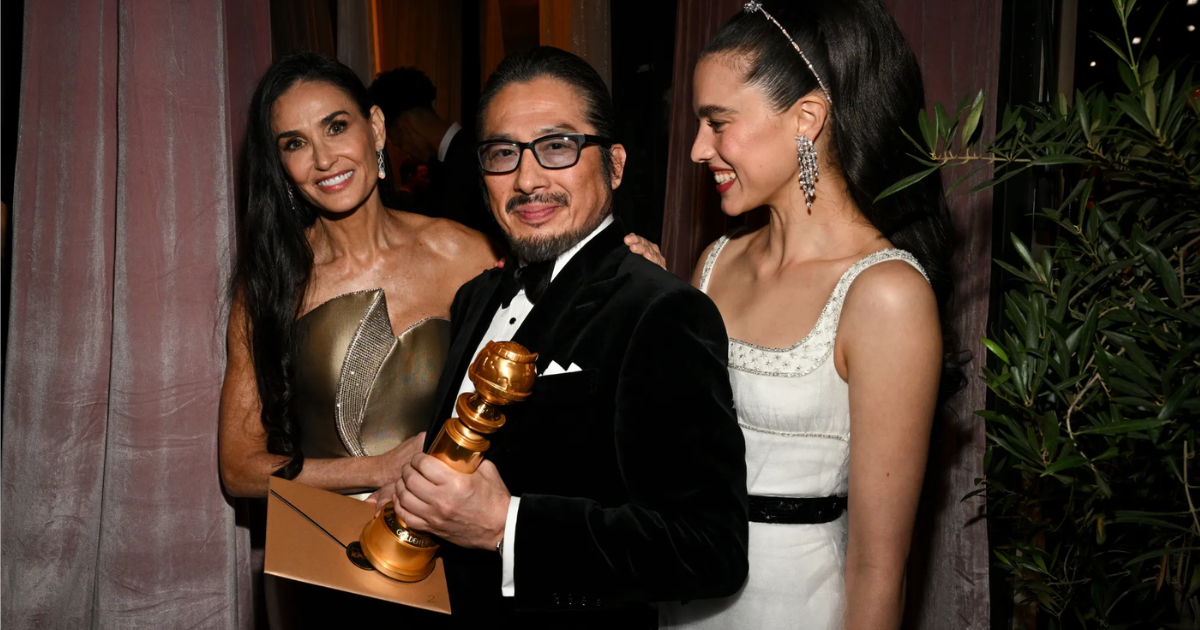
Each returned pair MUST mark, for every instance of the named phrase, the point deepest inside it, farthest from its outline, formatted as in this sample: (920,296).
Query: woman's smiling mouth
(336,182)
(724,180)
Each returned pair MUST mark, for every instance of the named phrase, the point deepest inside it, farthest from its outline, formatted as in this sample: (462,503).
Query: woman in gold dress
(338,327)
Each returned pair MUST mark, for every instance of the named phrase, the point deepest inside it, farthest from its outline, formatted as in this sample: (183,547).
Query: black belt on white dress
(796,510)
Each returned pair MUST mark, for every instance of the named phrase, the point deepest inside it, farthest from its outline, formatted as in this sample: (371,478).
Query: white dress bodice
(793,406)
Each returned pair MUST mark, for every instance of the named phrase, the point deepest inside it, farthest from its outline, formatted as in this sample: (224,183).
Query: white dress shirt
(447,139)
(504,325)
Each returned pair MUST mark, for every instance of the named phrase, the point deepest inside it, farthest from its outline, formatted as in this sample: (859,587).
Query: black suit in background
(456,187)
(631,472)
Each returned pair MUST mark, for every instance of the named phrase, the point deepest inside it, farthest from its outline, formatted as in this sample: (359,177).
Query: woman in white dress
(835,310)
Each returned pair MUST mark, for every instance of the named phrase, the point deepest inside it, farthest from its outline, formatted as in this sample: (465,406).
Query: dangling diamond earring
(382,171)
(292,199)
(807,156)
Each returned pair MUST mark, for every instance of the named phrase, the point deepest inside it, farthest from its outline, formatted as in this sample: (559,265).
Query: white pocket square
(555,368)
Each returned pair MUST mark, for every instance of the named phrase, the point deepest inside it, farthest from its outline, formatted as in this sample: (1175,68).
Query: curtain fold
(355,38)
(958,45)
(300,25)
(60,324)
(426,34)
(692,218)
(114,514)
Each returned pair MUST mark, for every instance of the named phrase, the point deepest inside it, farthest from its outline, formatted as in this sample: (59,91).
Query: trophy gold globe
(503,373)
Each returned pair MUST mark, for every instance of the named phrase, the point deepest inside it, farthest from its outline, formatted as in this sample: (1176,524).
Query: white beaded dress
(794,410)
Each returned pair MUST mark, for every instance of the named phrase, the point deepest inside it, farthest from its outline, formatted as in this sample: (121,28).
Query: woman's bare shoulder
(734,246)
(890,291)
(455,243)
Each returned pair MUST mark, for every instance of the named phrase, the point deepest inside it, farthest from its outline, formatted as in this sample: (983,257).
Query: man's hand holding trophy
(503,373)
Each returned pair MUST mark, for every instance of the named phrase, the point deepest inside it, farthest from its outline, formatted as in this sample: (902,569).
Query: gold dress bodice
(360,389)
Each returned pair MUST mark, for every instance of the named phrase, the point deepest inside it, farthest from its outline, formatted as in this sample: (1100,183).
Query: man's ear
(618,164)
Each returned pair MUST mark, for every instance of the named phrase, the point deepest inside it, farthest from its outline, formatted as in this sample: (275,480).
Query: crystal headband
(751,7)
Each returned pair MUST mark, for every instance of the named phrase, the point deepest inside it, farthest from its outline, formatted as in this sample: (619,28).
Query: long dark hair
(274,260)
(860,53)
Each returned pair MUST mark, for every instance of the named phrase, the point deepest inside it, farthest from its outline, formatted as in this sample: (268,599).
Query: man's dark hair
(545,61)
(402,89)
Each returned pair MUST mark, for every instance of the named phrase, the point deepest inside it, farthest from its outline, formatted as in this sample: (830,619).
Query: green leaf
(972,121)
(1150,32)
(1158,553)
(1125,69)
(1119,428)
(1149,71)
(1016,272)
(927,132)
(1135,112)
(942,122)
(958,181)
(1011,173)
(1150,105)
(907,181)
(1023,252)
(1085,121)
(1177,398)
(996,350)
(1065,463)
(1147,518)
(1050,160)
(1134,352)
(1114,47)
(1166,94)
(1166,274)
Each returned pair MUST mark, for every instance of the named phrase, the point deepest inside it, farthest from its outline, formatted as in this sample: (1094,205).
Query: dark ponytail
(861,55)
(274,260)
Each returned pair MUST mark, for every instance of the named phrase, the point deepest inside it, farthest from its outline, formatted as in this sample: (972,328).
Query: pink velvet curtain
(114,515)
(958,44)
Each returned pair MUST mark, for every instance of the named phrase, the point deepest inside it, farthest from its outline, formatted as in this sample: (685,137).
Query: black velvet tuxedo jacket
(631,472)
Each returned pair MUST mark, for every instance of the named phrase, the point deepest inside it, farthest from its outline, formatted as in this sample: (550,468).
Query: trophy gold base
(397,551)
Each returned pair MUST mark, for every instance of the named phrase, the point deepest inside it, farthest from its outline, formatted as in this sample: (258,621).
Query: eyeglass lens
(552,152)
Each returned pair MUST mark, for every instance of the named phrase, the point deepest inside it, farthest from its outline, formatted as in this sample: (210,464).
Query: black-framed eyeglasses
(560,150)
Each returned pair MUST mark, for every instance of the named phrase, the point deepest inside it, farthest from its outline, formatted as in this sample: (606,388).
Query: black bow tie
(534,278)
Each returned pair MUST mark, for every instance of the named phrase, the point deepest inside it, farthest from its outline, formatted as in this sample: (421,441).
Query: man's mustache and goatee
(536,249)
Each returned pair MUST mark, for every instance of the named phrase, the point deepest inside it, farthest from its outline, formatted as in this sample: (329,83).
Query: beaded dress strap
(710,261)
(814,349)
(833,310)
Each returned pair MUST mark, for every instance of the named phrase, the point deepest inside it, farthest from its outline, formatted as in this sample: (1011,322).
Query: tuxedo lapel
(475,323)
(573,296)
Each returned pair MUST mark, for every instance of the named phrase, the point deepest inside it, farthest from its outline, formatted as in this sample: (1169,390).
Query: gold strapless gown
(359,389)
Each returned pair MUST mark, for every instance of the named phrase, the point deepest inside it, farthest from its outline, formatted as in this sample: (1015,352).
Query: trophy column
(503,373)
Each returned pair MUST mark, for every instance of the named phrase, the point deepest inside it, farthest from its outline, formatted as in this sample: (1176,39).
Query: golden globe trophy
(503,373)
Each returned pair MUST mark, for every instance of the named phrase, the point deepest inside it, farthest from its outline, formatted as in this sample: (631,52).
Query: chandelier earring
(806,154)
(382,170)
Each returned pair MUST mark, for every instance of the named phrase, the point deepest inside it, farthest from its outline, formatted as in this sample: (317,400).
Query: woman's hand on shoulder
(643,247)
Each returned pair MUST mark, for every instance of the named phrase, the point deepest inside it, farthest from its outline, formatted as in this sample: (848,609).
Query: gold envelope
(297,549)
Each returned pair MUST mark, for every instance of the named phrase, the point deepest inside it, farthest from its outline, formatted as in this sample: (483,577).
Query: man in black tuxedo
(406,96)
(621,480)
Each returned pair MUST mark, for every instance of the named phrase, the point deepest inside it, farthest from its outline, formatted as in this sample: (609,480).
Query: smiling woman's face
(749,148)
(326,145)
